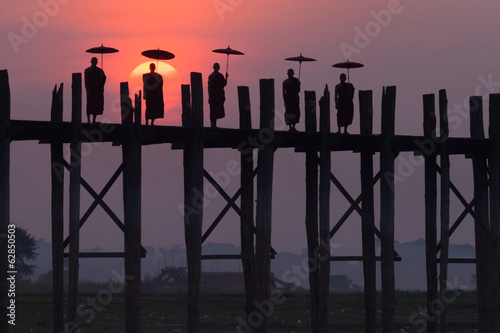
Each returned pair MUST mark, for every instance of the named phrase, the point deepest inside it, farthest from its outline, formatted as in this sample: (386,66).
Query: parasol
(300,58)
(228,51)
(158,55)
(102,49)
(348,64)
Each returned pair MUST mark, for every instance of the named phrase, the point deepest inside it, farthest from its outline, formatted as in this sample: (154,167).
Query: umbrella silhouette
(158,55)
(348,64)
(102,49)
(228,51)
(300,58)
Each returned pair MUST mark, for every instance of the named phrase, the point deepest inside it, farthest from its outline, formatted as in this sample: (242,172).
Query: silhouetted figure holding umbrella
(344,94)
(153,94)
(216,95)
(94,85)
(291,89)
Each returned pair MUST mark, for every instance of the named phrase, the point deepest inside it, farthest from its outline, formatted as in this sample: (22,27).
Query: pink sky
(419,46)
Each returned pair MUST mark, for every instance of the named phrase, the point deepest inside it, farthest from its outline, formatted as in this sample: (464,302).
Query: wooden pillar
(387,155)
(445,206)
(4,194)
(74,199)
(494,173)
(312,228)
(193,198)
(368,237)
(131,154)
(57,176)
(481,226)
(264,202)
(324,211)
(430,208)
(247,203)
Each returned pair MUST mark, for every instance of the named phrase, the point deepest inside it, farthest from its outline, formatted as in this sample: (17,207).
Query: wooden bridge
(256,249)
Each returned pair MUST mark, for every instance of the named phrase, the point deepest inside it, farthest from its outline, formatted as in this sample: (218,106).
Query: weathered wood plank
(494,174)
(4,194)
(445,207)
(368,237)
(484,278)
(57,178)
(74,198)
(247,204)
(430,212)
(131,154)
(324,212)
(387,189)
(264,200)
(193,199)
(312,227)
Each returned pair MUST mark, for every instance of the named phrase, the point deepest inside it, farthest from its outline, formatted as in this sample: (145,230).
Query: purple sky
(419,46)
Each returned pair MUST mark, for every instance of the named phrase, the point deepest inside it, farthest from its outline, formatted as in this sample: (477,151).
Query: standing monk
(344,93)
(153,94)
(291,89)
(216,95)
(94,85)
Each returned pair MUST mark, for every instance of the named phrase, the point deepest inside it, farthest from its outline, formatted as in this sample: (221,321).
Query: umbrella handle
(227,64)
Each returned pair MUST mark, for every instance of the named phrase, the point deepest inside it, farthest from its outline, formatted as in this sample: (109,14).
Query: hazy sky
(419,46)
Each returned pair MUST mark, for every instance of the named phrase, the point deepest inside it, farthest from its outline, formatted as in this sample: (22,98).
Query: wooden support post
(4,195)
(57,176)
(247,204)
(368,237)
(186,104)
(494,173)
(131,154)
(387,155)
(312,227)
(445,206)
(193,199)
(74,199)
(484,278)
(264,201)
(430,209)
(324,211)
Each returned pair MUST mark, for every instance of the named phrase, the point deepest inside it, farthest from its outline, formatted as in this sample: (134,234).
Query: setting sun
(171,89)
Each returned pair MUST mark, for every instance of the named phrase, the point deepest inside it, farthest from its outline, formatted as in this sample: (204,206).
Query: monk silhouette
(344,93)
(291,89)
(153,94)
(94,85)
(216,95)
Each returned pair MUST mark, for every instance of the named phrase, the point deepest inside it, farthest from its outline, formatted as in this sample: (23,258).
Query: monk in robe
(216,95)
(344,94)
(291,90)
(94,85)
(153,94)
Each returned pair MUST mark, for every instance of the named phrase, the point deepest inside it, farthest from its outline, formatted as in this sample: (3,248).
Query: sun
(171,90)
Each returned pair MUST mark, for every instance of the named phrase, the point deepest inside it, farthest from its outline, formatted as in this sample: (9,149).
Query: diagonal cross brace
(355,206)
(468,210)
(230,204)
(98,200)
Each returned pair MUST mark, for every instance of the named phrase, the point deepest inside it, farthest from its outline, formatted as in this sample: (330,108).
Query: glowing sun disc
(171,89)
